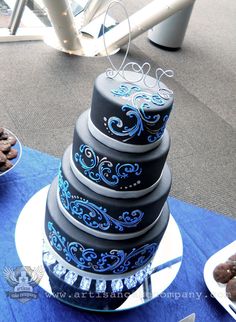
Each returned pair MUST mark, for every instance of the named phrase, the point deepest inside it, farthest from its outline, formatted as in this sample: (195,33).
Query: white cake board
(29,243)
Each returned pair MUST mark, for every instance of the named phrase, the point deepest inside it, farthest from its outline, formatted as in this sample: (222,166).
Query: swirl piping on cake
(111,192)
(119,145)
(143,122)
(92,215)
(125,91)
(102,169)
(65,193)
(136,94)
(73,276)
(114,261)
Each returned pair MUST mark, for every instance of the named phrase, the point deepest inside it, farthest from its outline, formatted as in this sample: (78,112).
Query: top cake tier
(128,116)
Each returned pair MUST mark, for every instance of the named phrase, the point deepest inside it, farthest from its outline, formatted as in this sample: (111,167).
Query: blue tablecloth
(203,232)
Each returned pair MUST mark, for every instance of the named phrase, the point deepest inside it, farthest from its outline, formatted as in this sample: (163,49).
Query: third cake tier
(105,217)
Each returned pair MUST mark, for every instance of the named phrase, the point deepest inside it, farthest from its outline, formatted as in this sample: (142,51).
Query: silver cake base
(29,243)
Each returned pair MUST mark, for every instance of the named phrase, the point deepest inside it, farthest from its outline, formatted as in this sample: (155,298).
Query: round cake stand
(29,245)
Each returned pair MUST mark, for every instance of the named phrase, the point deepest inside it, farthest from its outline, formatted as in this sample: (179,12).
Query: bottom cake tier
(78,262)
(93,255)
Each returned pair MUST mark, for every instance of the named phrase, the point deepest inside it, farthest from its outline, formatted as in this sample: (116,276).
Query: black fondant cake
(107,210)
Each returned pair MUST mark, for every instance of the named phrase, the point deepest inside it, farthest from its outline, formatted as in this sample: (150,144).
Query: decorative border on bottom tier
(120,146)
(47,247)
(71,277)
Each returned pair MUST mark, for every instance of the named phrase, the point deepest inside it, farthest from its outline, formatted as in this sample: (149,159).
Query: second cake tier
(112,173)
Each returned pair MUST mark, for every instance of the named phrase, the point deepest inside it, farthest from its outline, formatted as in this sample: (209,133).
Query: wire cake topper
(143,70)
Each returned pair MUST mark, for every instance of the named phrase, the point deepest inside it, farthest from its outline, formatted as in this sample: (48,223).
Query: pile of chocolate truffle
(7,153)
(226,273)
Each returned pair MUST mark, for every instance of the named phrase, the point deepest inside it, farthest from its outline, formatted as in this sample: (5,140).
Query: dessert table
(204,233)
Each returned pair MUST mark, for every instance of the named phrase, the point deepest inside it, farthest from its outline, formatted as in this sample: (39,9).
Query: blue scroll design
(115,261)
(102,169)
(142,121)
(65,194)
(116,126)
(125,90)
(147,100)
(92,215)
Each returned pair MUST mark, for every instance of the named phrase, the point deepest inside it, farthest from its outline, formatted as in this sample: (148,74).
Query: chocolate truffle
(6,166)
(11,139)
(4,136)
(232,262)
(222,273)
(5,146)
(3,158)
(233,258)
(12,154)
(231,289)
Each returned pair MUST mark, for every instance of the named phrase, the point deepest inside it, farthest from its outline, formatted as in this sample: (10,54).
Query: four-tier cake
(107,210)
